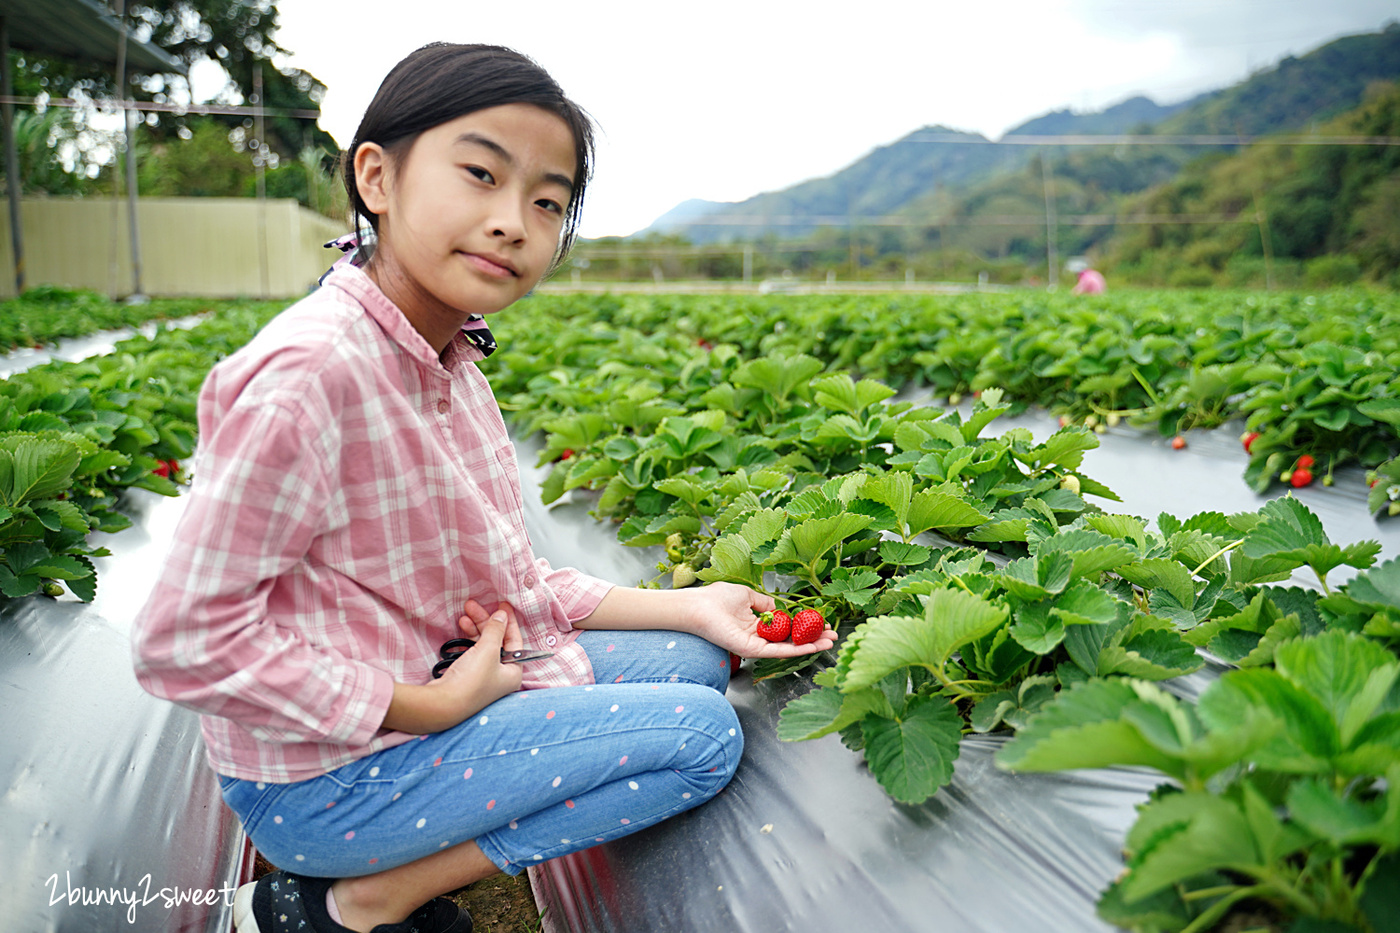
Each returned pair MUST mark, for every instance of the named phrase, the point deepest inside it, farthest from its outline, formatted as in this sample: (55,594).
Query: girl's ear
(371,177)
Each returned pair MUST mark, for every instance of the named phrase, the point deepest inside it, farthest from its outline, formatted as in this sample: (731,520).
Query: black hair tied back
(441,82)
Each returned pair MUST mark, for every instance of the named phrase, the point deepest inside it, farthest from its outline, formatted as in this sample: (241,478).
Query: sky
(726,99)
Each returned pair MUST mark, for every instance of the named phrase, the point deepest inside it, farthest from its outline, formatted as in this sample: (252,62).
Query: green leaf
(937,509)
(1162,572)
(1346,821)
(1064,448)
(60,567)
(1151,655)
(825,710)
(1013,707)
(813,538)
(1082,727)
(1093,553)
(731,559)
(1086,604)
(1007,525)
(1036,629)
(913,756)
(1309,741)
(895,489)
(1291,532)
(841,393)
(778,376)
(1182,835)
(1348,674)
(952,618)
(1036,577)
(1382,409)
(1125,527)
(35,468)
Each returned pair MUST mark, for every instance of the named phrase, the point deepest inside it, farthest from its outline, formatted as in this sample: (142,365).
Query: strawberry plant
(73,436)
(1312,375)
(1285,787)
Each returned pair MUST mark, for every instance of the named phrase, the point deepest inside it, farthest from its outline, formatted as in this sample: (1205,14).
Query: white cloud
(726,99)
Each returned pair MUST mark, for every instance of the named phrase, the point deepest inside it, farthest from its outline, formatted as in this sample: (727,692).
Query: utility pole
(1266,241)
(129,115)
(1051,222)
(259,157)
(11,158)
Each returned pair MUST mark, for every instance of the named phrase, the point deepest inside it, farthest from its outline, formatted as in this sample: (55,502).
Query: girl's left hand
(725,614)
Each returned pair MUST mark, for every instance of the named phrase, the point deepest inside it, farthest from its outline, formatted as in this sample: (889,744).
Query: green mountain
(956,191)
(931,159)
(1305,214)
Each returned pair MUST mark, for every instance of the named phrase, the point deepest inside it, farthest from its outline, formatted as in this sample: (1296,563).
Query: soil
(499,904)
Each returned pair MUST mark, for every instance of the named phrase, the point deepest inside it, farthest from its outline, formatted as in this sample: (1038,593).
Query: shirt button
(530,582)
(443,405)
(551,641)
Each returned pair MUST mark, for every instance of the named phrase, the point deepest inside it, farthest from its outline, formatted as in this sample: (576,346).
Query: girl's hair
(441,82)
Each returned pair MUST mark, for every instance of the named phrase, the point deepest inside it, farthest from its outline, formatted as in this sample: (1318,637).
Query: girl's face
(470,217)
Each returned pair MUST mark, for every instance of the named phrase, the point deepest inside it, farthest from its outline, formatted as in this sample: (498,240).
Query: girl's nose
(508,221)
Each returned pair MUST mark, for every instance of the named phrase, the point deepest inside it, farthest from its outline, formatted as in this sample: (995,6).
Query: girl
(355,486)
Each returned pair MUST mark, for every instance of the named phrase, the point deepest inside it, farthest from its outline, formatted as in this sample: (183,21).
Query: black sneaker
(281,902)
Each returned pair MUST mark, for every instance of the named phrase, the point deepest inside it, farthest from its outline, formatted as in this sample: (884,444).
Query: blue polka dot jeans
(533,776)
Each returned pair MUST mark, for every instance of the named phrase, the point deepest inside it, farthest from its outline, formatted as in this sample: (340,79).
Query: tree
(237,34)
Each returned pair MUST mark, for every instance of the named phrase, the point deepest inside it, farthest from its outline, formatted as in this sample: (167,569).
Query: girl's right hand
(479,671)
(473,682)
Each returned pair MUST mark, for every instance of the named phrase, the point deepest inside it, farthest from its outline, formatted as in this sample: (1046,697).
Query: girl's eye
(480,173)
(553,207)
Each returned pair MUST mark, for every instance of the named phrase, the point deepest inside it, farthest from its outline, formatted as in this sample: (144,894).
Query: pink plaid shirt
(351,492)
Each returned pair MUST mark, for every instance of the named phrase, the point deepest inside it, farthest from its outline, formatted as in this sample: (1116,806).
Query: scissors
(454,648)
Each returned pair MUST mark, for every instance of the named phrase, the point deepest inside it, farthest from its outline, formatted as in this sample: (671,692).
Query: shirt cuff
(360,716)
(577,592)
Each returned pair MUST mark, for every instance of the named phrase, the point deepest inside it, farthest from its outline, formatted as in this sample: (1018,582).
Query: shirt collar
(464,346)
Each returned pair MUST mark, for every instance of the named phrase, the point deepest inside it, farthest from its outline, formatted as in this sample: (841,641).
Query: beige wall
(208,247)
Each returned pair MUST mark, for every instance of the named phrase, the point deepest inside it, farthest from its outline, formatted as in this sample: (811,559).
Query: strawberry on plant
(1070,482)
(1249,438)
(567,454)
(1301,477)
(807,627)
(1178,442)
(774,626)
(1306,461)
(682,576)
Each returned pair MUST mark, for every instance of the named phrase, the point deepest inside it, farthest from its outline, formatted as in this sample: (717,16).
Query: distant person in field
(1090,283)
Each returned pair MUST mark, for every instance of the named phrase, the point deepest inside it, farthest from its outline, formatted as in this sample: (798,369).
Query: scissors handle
(454,648)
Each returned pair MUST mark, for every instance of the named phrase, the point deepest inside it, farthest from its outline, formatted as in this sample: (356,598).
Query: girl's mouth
(493,266)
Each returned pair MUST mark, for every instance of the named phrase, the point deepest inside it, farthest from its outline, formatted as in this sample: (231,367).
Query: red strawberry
(1306,462)
(774,626)
(567,454)
(1178,442)
(1249,440)
(734,662)
(807,627)
(1301,477)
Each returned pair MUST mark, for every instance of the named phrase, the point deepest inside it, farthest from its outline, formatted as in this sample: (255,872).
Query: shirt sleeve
(216,634)
(576,591)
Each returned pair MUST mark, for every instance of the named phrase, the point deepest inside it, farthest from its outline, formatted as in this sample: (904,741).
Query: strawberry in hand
(807,626)
(774,626)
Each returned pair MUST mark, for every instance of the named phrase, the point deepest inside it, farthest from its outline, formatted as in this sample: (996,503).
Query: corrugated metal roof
(82,30)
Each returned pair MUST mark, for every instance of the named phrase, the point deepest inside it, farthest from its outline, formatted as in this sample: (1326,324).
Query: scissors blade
(520,657)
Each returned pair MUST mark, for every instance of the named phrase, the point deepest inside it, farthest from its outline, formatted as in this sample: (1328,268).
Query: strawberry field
(982,580)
